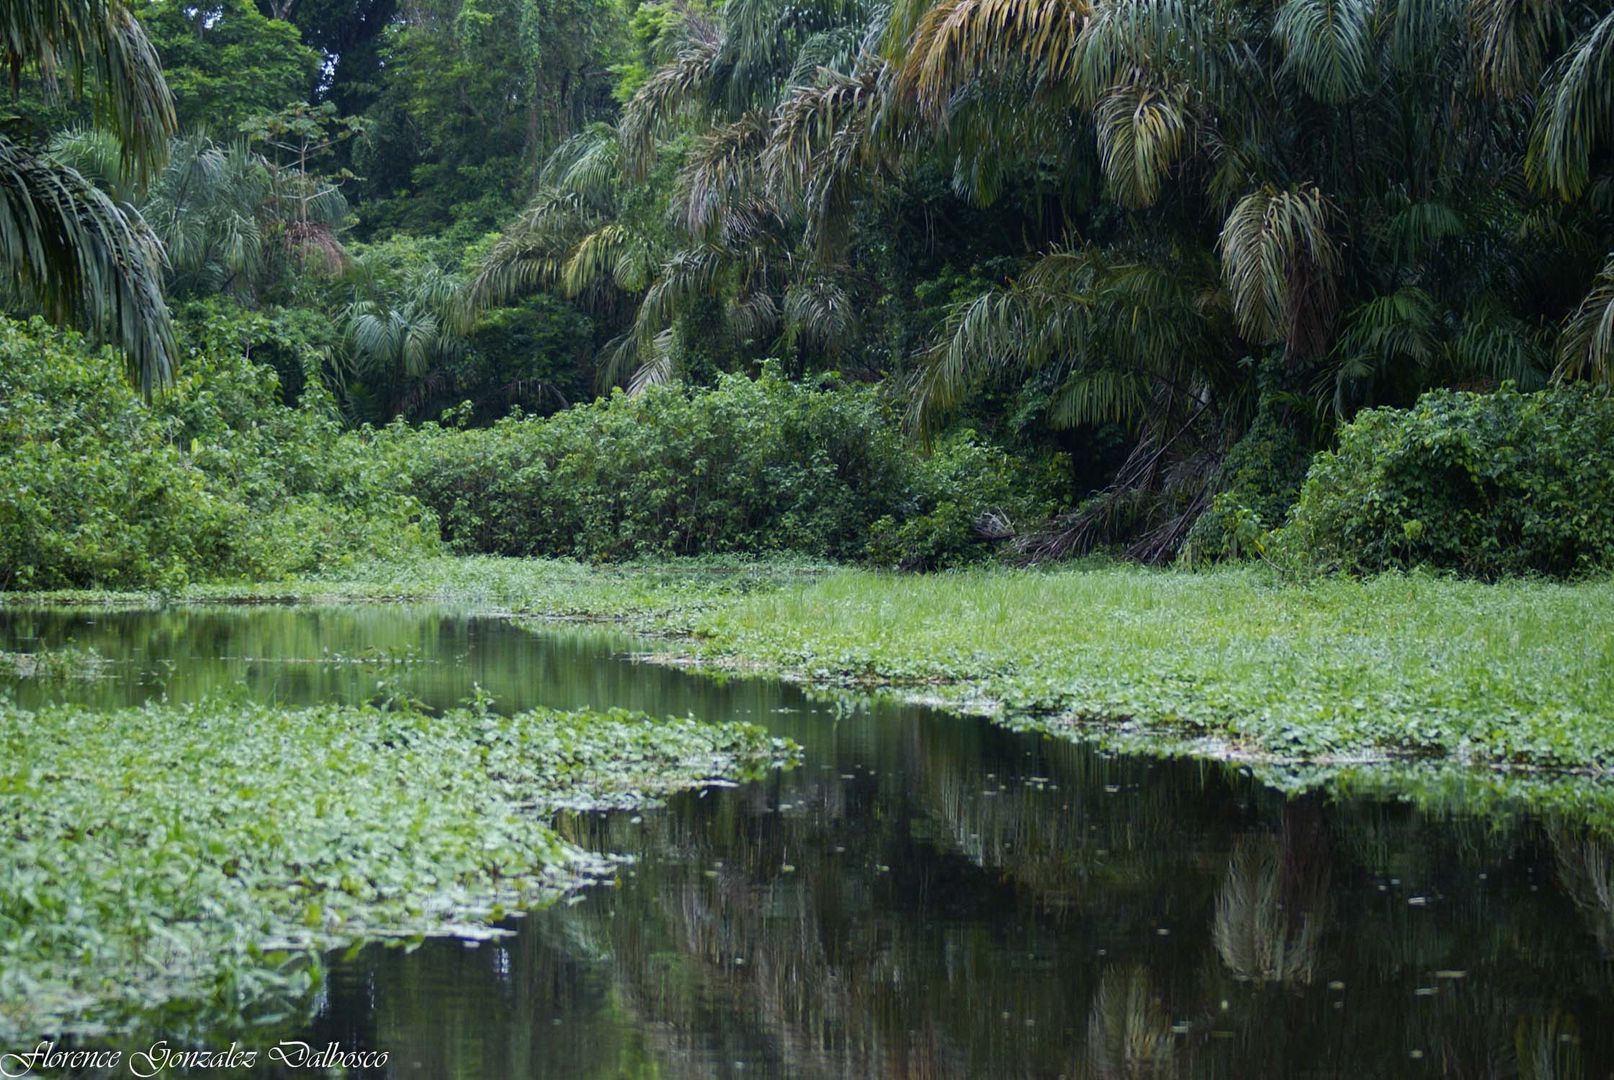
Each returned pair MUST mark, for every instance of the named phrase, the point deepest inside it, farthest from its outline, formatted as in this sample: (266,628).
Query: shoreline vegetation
(1234,663)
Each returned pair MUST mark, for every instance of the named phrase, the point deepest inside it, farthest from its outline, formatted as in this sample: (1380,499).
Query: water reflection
(933,897)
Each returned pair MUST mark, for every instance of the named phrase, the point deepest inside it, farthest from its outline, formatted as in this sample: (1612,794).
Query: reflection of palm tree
(1548,1047)
(1269,911)
(1128,1032)
(1586,872)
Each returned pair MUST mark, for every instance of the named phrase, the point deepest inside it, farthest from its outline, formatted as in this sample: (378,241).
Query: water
(926,896)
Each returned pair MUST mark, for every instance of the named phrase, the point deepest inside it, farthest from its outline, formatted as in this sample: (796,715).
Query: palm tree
(220,212)
(749,258)
(397,335)
(1263,213)
(75,253)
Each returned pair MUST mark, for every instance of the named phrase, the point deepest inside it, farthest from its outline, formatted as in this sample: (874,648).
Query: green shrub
(963,493)
(217,479)
(1256,486)
(1483,484)
(214,479)
(754,465)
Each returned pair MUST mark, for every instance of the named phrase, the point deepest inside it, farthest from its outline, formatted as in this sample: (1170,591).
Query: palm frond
(612,252)
(671,93)
(587,165)
(959,43)
(1280,266)
(1586,346)
(1388,332)
(835,50)
(722,180)
(1175,40)
(1415,229)
(1510,43)
(820,154)
(1494,343)
(979,334)
(658,367)
(752,316)
(807,125)
(1141,132)
(684,279)
(1575,114)
(1327,46)
(819,311)
(97,155)
(84,259)
(616,361)
(532,251)
(1099,396)
(96,45)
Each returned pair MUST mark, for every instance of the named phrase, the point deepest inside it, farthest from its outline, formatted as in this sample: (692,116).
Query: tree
(1206,215)
(475,93)
(71,251)
(224,62)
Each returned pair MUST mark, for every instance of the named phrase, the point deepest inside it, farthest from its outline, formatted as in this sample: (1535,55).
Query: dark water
(929,896)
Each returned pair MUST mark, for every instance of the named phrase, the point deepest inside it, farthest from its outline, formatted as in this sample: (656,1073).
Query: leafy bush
(961,494)
(217,479)
(1483,484)
(214,479)
(754,465)
(1256,486)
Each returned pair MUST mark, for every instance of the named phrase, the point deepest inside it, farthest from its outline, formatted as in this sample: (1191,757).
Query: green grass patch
(1521,672)
(182,866)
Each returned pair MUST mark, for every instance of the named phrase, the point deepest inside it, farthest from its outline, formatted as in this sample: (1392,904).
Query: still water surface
(926,896)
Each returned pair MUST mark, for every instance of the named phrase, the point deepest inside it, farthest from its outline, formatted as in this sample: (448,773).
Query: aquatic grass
(62,662)
(1521,672)
(186,865)
(657,594)
(1232,662)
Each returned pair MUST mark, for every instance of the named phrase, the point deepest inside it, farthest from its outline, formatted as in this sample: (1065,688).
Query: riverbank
(194,857)
(1231,664)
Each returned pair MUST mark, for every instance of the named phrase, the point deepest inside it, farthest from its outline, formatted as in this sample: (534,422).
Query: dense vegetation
(1484,484)
(302,295)
(1158,253)
(750,466)
(217,479)
(214,479)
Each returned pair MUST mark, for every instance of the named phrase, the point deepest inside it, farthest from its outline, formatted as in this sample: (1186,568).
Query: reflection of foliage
(1548,1047)
(1586,871)
(61,662)
(1268,922)
(1128,1032)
